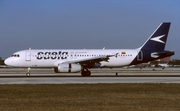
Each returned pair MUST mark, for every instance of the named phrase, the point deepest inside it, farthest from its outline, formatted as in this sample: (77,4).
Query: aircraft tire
(28,74)
(86,73)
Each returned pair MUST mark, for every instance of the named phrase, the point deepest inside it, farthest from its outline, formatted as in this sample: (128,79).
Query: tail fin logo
(158,39)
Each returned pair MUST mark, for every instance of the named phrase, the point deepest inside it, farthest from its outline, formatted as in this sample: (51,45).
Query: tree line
(174,62)
(1,61)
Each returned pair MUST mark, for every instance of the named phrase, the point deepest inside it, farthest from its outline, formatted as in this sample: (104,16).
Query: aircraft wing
(90,62)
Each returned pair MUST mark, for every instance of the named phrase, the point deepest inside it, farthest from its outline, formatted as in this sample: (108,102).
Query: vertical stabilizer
(157,41)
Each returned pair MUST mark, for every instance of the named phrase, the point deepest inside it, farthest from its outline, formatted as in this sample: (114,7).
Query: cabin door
(28,56)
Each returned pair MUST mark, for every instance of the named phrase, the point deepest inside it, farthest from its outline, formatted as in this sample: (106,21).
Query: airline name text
(52,55)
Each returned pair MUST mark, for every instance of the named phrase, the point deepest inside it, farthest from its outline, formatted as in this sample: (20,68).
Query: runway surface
(89,80)
(117,75)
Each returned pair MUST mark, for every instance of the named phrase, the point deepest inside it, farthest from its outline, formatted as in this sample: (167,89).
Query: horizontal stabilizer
(162,54)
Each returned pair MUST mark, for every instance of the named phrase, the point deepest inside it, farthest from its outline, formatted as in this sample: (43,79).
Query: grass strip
(90,97)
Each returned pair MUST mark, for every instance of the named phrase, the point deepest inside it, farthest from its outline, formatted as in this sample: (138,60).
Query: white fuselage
(51,58)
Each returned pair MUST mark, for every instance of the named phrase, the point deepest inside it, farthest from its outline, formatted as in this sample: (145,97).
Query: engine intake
(68,68)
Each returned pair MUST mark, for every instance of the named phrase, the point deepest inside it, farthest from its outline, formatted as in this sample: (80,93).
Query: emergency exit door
(140,56)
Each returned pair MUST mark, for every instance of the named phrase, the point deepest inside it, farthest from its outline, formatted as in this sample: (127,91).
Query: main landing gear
(28,72)
(85,72)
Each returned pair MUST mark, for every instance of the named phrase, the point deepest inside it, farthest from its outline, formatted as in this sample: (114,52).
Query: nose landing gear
(28,71)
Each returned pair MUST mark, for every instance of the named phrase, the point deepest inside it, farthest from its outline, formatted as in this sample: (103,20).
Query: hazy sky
(85,24)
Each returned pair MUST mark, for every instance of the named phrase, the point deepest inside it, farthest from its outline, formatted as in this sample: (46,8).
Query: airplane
(81,60)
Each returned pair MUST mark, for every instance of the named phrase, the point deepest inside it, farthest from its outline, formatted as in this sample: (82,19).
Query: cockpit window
(15,55)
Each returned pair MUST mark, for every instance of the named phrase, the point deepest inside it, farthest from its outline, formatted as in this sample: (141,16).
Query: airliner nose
(8,62)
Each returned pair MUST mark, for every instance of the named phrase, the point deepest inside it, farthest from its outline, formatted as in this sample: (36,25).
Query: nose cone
(8,62)
(11,61)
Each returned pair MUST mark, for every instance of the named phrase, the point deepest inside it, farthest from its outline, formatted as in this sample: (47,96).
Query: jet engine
(67,68)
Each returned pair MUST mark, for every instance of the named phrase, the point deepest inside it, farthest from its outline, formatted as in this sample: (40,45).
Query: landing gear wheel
(28,74)
(86,73)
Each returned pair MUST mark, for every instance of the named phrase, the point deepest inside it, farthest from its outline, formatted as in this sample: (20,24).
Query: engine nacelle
(68,68)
